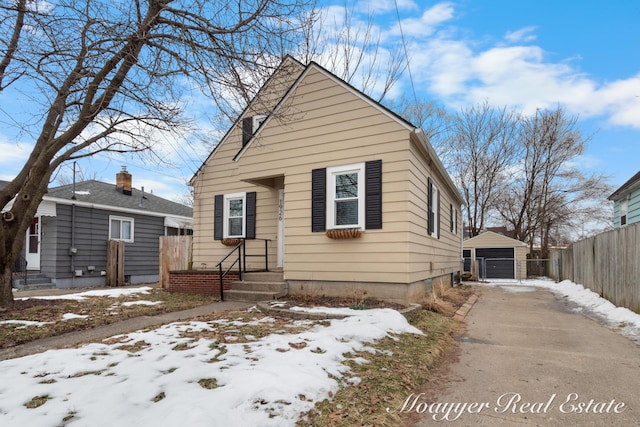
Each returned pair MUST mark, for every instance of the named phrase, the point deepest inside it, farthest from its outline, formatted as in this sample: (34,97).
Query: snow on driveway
(585,301)
(176,380)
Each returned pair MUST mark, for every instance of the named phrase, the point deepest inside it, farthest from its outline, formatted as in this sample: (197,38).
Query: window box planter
(344,233)
(231,242)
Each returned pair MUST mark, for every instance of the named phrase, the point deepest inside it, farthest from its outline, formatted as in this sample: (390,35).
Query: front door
(280,228)
(32,245)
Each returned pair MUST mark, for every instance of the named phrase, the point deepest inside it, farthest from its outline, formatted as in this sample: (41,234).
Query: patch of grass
(208,383)
(99,310)
(135,347)
(49,381)
(159,397)
(401,364)
(69,417)
(181,347)
(37,401)
(85,373)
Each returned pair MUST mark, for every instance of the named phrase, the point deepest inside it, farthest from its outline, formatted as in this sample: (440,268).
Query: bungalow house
(626,203)
(347,197)
(67,242)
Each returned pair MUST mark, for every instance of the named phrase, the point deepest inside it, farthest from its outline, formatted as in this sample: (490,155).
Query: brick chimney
(123,181)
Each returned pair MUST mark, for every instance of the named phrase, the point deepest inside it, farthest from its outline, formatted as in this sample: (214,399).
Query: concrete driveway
(526,359)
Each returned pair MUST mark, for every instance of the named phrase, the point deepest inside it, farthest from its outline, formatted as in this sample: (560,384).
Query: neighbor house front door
(32,245)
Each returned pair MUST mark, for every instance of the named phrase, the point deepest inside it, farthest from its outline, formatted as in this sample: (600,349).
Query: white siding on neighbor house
(327,125)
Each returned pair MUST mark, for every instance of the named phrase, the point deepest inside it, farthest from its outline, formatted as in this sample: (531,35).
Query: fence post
(115,263)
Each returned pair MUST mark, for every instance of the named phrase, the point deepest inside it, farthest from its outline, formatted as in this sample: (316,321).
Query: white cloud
(13,155)
(462,72)
(384,6)
(427,23)
(522,35)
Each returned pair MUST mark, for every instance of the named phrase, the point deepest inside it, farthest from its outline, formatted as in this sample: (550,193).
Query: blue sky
(583,55)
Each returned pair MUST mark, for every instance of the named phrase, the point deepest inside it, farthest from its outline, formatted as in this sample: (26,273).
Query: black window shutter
(218,216)
(430,218)
(250,230)
(373,197)
(247,130)
(318,200)
(439,216)
(451,217)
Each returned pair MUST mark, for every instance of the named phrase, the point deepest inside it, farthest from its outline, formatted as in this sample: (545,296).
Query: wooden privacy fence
(608,264)
(175,254)
(115,263)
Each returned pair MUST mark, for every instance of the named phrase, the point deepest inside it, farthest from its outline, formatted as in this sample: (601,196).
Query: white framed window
(235,212)
(346,196)
(121,228)
(624,211)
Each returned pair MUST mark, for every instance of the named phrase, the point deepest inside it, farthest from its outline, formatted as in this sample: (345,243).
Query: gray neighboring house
(67,242)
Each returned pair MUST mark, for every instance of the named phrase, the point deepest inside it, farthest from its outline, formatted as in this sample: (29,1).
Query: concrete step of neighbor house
(257,286)
(33,282)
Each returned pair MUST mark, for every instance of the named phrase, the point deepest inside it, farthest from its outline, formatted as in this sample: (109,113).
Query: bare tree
(107,74)
(352,50)
(547,190)
(482,147)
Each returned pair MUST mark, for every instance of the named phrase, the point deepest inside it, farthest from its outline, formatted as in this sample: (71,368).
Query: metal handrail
(239,247)
(241,261)
(20,268)
(266,254)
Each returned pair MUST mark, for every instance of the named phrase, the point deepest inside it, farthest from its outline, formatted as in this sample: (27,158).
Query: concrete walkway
(101,332)
(526,359)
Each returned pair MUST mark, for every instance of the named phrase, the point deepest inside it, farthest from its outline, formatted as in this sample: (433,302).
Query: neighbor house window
(345,196)
(624,209)
(235,209)
(121,228)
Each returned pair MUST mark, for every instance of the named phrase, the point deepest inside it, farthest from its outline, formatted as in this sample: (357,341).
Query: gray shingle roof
(106,194)
(632,183)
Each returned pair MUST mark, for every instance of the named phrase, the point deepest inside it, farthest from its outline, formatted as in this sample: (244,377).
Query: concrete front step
(257,286)
(34,281)
(34,286)
(263,276)
(251,296)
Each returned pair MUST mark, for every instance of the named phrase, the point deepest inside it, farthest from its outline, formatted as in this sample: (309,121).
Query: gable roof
(105,195)
(492,235)
(287,61)
(420,136)
(313,66)
(632,184)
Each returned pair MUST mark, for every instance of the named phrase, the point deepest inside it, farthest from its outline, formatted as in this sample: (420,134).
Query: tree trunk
(6,292)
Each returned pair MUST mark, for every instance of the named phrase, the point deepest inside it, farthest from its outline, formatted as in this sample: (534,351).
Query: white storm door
(32,245)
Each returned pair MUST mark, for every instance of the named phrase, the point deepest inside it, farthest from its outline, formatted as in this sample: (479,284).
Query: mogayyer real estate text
(509,403)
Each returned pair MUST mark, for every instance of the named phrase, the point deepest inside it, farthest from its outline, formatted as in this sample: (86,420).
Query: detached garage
(498,256)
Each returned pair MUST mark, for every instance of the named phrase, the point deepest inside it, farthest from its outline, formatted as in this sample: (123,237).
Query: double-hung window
(121,228)
(235,209)
(346,196)
(624,210)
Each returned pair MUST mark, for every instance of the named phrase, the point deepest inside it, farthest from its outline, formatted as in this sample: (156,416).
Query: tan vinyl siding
(321,125)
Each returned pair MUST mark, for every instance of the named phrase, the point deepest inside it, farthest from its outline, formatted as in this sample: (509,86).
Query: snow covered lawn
(248,371)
